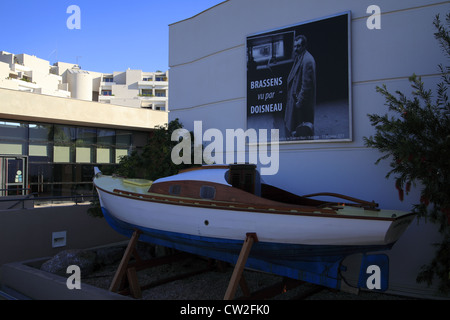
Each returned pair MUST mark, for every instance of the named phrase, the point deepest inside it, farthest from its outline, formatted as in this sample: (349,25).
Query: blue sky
(114,35)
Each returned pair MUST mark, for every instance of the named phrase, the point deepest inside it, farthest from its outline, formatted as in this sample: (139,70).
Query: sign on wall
(298,80)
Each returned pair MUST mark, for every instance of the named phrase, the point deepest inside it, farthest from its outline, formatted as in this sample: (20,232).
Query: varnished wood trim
(230,195)
(172,200)
(222,205)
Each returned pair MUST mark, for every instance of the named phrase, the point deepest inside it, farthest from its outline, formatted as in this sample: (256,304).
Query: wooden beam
(122,269)
(134,284)
(240,265)
(244,287)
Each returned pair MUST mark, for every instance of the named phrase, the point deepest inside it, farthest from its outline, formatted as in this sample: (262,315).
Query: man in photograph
(301,93)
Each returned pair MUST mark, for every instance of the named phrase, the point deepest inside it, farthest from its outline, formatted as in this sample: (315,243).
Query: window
(160,93)
(175,189)
(105,144)
(146,92)
(108,80)
(13,137)
(64,139)
(106,92)
(123,144)
(207,192)
(84,144)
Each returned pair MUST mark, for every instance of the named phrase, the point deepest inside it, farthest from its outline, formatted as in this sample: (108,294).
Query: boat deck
(139,188)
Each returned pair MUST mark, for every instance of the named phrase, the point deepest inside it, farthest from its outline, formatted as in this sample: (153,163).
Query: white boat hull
(235,224)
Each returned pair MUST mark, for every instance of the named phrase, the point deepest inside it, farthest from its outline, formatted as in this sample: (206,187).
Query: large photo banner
(298,80)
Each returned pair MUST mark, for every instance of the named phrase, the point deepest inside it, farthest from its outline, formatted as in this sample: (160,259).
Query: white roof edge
(198,13)
(207,175)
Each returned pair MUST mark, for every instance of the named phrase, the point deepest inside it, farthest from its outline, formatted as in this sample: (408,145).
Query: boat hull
(318,264)
(234,224)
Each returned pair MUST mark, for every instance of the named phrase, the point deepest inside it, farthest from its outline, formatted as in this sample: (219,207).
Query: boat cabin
(215,182)
(237,183)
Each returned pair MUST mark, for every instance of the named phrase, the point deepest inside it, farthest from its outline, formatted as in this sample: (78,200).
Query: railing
(48,201)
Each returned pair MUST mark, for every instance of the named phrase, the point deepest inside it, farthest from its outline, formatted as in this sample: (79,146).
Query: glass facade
(61,158)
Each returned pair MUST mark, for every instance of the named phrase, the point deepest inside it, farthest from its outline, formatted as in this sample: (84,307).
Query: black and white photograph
(298,80)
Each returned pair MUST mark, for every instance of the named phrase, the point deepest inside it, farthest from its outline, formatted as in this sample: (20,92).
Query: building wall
(6,57)
(216,90)
(80,84)
(4,74)
(129,88)
(27,233)
(208,66)
(32,107)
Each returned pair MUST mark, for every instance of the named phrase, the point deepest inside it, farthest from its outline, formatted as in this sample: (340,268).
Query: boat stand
(125,280)
(127,271)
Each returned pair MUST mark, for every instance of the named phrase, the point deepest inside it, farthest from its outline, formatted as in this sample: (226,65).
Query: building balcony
(152,98)
(153,84)
(62,93)
(25,85)
(103,98)
(107,84)
(20,68)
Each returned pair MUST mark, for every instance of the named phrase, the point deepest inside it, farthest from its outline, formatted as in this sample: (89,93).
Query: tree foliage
(154,160)
(415,137)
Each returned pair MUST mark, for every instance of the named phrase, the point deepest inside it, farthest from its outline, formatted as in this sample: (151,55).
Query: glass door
(13,175)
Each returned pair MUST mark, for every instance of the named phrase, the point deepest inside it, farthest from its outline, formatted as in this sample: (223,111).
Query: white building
(136,88)
(213,50)
(131,88)
(29,73)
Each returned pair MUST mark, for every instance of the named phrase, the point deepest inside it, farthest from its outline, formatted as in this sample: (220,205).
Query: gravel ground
(212,285)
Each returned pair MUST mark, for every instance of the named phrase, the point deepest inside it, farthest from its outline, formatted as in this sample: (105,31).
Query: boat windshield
(244,177)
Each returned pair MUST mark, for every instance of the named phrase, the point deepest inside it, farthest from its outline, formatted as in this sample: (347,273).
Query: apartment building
(57,122)
(135,88)
(130,88)
(31,74)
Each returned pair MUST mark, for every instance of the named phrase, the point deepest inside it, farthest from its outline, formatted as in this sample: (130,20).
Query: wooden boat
(209,210)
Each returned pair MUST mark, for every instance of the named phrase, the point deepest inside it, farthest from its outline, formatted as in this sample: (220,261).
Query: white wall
(207,58)
(35,107)
(208,75)
(80,84)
